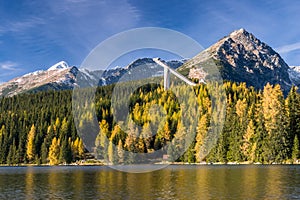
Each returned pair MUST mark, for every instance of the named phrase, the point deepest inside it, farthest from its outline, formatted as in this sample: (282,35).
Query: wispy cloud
(86,23)
(20,26)
(288,48)
(8,69)
(8,65)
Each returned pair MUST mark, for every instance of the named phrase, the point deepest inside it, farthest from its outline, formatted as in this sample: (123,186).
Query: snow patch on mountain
(59,65)
(294,73)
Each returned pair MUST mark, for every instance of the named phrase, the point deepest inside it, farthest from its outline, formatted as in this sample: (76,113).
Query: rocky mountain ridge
(61,76)
(239,57)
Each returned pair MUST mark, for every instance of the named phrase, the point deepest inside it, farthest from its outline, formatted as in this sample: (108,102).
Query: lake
(173,182)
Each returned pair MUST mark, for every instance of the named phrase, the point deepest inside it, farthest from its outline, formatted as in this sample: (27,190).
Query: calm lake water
(173,182)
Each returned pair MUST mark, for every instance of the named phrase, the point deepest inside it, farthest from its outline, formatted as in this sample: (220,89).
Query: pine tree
(120,152)
(275,123)
(65,154)
(179,142)
(54,152)
(44,153)
(111,153)
(74,147)
(30,152)
(293,113)
(64,129)
(295,151)
(202,130)
(101,141)
(81,149)
(248,147)
(147,136)
(3,144)
(261,135)
(11,157)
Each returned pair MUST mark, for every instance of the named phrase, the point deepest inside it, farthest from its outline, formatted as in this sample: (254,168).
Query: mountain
(56,79)
(294,73)
(241,57)
(139,69)
(61,76)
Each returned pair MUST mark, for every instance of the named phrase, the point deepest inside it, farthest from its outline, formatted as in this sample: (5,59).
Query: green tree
(44,153)
(295,151)
(293,113)
(65,154)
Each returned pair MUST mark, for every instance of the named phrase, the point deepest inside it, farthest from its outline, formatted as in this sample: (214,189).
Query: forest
(259,126)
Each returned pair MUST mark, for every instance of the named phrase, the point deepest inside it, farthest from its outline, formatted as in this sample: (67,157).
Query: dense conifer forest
(260,126)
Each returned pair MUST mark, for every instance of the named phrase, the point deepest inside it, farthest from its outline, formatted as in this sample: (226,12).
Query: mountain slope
(60,76)
(51,79)
(241,57)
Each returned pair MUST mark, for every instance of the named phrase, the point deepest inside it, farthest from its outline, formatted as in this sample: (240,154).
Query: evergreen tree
(101,141)
(44,153)
(295,151)
(261,135)
(147,136)
(65,154)
(120,152)
(293,113)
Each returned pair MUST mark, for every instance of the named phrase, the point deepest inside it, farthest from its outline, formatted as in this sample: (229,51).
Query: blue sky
(35,34)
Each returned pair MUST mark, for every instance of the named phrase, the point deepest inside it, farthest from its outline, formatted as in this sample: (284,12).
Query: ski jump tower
(167,71)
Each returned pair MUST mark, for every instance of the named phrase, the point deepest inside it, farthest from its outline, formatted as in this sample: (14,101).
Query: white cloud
(8,65)
(288,48)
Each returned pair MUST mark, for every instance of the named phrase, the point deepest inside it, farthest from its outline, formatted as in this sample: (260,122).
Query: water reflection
(174,182)
(29,183)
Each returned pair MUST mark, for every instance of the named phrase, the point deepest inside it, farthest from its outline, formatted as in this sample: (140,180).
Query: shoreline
(99,163)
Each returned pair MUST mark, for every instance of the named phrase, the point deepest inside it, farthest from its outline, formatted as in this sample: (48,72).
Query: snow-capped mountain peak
(59,65)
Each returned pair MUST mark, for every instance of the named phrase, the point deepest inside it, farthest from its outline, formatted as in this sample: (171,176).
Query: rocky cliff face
(241,57)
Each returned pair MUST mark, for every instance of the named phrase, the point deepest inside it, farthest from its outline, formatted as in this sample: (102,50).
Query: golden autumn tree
(200,137)
(275,123)
(30,151)
(54,151)
(248,147)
